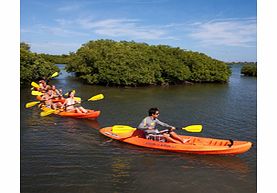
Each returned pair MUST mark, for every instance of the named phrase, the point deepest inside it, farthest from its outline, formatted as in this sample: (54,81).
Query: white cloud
(69,8)
(60,47)
(60,31)
(130,28)
(228,32)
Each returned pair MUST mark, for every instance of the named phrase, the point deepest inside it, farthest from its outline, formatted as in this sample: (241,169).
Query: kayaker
(148,125)
(57,93)
(70,102)
(47,100)
(42,85)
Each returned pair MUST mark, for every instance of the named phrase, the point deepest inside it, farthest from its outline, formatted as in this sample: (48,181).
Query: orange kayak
(91,114)
(195,145)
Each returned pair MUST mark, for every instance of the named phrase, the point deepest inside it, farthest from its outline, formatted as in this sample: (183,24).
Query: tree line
(107,62)
(243,63)
(249,70)
(56,59)
(33,66)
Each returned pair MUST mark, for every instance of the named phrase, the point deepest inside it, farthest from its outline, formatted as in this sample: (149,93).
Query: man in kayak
(149,123)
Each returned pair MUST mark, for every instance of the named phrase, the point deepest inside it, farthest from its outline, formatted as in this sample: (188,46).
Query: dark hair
(69,93)
(152,111)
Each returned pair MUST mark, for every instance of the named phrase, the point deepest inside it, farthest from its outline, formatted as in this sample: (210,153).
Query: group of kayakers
(52,98)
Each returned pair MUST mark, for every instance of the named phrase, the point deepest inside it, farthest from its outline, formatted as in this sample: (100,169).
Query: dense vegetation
(249,70)
(33,66)
(107,62)
(243,63)
(56,59)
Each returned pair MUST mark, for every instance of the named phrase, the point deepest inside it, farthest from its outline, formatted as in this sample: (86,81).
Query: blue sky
(223,29)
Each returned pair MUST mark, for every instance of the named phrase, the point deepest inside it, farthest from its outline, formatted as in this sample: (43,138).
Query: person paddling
(56,92)
(148,125)
(47,100)
(42,86)
(70,102)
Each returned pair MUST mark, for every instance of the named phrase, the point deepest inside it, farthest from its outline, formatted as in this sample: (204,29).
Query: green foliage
(25,46)
(249,70)
(56,59)
(107,62)
(33,66)
(243,63)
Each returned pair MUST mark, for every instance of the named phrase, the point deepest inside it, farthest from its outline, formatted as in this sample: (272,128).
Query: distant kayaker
(47,100)
(56,92)
(148,125)
(42,86)
(70,102)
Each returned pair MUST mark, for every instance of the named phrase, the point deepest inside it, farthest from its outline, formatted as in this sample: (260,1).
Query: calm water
(70,155)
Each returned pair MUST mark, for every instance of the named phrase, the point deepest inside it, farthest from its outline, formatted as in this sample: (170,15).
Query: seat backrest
(159,138)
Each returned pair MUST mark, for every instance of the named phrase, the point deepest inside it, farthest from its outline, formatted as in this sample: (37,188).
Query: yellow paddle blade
(77,99)
(122,129)
(30,104)
(96,97)
(54,75)
(49,112)
(193,128)
(35,85)
(36,93)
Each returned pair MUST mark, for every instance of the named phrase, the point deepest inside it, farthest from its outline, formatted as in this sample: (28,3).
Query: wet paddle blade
(35,85)
(54,75)
(77,99)
(96,97)
(193,128)
(31,104)
(36,93)
(45,113)
(122,129)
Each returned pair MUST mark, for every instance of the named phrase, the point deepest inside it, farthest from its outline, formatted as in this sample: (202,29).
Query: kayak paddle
(54,75)
(48,112)
(193,128)
(126,128)
(36,93)
(31,104)
(35,85)
(122,129)
(96,97)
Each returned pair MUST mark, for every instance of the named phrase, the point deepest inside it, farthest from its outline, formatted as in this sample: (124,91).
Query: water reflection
(230,163)
(94,124)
